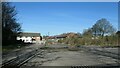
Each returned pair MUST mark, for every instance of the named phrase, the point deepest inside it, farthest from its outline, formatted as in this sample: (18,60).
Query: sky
(55,18)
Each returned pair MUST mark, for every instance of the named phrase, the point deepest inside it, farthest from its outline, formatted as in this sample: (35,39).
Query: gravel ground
(16,52)
(64,57)
(60,55)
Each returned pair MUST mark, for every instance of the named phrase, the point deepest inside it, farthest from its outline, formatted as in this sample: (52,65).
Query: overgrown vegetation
(102,33)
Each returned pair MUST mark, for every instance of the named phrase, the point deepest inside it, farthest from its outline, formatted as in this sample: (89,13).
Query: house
(28,37)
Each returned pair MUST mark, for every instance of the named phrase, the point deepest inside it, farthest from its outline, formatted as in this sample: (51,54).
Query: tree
(102,27)
(87,32)
(10,28)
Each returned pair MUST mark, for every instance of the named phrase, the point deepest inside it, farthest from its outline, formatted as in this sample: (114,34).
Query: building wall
(37,38)
(25,39)
(29,39)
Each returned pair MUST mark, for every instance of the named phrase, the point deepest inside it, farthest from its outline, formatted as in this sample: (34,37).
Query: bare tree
(103,27)
(87,32)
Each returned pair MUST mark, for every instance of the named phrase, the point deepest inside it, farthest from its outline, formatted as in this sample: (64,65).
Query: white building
(30,37)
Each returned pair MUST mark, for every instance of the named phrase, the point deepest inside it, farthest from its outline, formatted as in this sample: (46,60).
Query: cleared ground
(52,56)
(16,52)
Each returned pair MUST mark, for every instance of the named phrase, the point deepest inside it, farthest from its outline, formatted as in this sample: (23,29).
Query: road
(61,56)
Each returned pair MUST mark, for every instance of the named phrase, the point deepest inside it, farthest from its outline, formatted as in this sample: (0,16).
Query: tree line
(10,27)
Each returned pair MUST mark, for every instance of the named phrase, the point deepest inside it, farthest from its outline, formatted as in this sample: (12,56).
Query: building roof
(60,36)
(30,34)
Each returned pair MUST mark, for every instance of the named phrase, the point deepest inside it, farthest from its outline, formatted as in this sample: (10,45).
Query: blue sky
(62,17)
